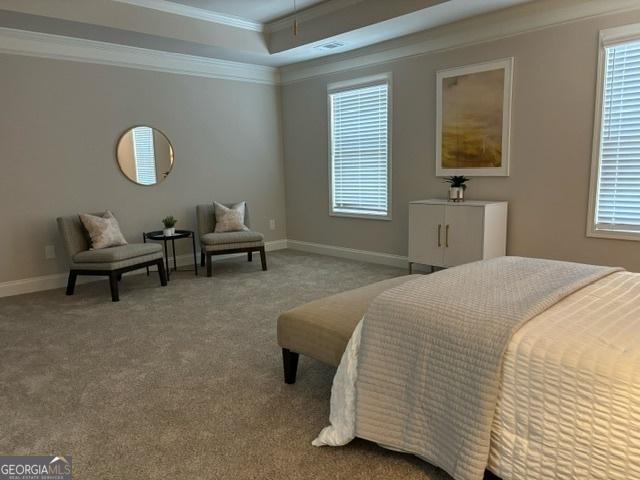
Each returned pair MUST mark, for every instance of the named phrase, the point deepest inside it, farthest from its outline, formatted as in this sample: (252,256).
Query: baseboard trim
(350,253)
(59,280)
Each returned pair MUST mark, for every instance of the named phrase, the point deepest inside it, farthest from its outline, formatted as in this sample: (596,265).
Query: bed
(567,400)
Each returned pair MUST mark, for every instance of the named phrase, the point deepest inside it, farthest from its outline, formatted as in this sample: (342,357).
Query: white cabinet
(446,234)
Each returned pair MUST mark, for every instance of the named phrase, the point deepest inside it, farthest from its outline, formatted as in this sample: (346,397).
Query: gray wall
(552,125)
(58,129)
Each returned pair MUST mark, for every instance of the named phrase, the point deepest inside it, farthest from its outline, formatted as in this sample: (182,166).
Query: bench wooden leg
(113,283)
(250,256)
(263,258)
(71,283)
(290,364)
(202,258)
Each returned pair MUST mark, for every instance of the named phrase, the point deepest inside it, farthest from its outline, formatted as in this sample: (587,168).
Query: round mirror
(144,155)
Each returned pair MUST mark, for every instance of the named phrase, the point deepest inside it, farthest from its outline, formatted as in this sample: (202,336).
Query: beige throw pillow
(104,231)
(229,219)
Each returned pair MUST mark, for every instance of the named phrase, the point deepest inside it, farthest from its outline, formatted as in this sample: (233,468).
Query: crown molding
(36,44)
(495,26)
(310,13)
(197,13)
(490,27)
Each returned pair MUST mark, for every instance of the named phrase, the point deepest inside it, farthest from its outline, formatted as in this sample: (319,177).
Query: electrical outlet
(50,252)
(272,224)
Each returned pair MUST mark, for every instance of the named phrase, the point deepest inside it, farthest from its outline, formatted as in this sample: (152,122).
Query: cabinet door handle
(439,229)
(446,236)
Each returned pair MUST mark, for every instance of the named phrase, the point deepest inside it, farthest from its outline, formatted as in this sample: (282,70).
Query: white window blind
(144,155)
(618,196)
(360,150)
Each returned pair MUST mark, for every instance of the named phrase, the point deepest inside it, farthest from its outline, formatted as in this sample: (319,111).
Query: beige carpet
(183,381)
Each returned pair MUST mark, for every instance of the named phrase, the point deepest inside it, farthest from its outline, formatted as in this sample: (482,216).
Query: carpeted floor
(183,381)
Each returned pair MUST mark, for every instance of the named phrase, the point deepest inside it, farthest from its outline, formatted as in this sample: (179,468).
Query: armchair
(212,243)
(111,262)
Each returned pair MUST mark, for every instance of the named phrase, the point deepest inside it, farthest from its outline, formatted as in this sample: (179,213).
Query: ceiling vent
(330,46)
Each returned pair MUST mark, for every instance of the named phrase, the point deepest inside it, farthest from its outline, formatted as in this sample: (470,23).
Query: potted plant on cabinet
(457,186)
(169,225)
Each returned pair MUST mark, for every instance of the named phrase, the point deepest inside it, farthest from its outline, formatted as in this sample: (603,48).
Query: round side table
(159,236)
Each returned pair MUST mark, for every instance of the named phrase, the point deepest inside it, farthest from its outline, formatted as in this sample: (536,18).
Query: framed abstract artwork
(473,116)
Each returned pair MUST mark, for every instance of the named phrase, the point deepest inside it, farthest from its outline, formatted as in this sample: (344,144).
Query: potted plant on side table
(457,186)
(169,226)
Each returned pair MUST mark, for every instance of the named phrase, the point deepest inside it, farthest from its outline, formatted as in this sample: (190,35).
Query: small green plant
(169,222)
(457,181)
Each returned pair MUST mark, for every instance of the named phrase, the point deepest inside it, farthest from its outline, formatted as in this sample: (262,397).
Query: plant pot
(456,194)
(167,232)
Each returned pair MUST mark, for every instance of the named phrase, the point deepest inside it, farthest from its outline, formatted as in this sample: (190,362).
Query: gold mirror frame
(144,155)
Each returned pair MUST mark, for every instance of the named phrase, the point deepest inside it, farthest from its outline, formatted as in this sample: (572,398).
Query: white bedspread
(569,401)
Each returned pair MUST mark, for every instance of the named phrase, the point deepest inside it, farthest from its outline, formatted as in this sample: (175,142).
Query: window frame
(607,38)
(354,84)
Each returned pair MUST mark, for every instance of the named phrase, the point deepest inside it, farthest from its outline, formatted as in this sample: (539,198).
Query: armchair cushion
(116,254)
(227,238)
(218,242)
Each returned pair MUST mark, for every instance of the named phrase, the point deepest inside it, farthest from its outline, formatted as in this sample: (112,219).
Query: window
(360,148)
(144,155)
(615,191)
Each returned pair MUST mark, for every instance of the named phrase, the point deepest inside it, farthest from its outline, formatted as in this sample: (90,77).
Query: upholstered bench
(321,329)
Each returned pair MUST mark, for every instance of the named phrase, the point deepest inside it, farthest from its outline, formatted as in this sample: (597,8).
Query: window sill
(614,234)
(366,216)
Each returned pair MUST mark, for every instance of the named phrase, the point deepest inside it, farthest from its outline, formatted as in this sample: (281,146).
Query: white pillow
(229,219)
(104,231)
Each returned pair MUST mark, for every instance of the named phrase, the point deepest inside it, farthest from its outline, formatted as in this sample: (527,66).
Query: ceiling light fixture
(329,45)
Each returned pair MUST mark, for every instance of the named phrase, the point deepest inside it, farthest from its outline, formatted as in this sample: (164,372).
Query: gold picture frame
(473,116)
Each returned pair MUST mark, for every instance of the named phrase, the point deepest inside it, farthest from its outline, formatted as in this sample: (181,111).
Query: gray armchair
(111,262)
(212,243)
